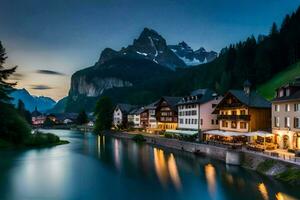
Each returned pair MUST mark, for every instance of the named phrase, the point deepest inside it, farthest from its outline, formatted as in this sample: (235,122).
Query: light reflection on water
(100,167)
(263,190)
(210,174)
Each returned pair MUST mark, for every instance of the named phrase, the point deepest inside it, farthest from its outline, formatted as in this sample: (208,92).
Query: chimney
(247,86)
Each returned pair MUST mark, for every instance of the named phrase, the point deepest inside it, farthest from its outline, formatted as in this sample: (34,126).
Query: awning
(260,133)
(182,132)
(231,133)
(224,133)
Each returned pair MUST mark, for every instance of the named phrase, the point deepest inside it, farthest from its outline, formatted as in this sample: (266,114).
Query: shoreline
(279,169)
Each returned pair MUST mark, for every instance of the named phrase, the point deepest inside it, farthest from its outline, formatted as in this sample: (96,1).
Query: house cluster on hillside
(239,117)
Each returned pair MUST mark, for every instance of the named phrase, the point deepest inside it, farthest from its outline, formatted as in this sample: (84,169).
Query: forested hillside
(255,59)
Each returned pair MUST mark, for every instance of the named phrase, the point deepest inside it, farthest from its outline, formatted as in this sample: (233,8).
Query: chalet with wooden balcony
(243,111)
(166,113)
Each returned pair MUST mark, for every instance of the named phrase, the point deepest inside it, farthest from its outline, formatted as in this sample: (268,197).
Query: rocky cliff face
(95,87)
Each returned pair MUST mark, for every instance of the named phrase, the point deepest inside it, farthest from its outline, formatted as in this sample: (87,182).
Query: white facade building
(195,111)
(120,114)
(118,117)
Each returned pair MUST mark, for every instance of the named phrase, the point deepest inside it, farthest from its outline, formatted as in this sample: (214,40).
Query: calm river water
(98,167)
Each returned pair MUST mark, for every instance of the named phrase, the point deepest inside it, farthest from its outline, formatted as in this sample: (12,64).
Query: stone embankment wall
(266,165)
(212,151)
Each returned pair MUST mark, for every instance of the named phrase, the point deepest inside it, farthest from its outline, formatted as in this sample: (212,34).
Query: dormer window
(287,92)
(281,93)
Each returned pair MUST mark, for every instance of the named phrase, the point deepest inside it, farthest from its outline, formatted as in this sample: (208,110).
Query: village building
(166,113)
(37,118)
(151,120)
(63,118)
(120,114)
(136,117)
(243,114)
(195,111)
(286,115)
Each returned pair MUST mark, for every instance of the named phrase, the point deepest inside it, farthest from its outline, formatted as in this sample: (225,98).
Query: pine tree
(5,87)
(104,114)
(82,118)
(274,30)
(23,112)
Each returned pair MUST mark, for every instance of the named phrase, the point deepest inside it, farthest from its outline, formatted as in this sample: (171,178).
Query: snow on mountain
(149,45)
(191,57)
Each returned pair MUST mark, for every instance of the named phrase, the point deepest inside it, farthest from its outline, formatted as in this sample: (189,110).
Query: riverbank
(36,140)
(281,170)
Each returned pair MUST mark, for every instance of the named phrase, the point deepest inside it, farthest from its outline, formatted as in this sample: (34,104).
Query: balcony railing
(234,117)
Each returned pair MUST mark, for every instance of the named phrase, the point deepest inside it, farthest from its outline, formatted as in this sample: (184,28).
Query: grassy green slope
(268,88)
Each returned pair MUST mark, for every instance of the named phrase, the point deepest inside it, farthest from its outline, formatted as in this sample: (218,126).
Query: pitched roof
(138,111)
(252,100)
(200,96)
(294,83)
(152,105)
(172,101)
(295,96)
(126,108)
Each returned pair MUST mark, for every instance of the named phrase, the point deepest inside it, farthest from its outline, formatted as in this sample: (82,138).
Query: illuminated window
(224,124)
(243,125)
(287,122)
(287,107)
(276,121)
(277,107)
(233,124)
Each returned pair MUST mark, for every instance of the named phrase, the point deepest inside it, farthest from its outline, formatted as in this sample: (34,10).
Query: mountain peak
(201,49)
(149,32)
(149,45)
(107,54)
(184,45)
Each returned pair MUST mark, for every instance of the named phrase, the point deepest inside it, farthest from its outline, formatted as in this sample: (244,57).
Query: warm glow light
(229,179)
(282,196)
(174,172)
(160,166)
(263,190)
(210,174)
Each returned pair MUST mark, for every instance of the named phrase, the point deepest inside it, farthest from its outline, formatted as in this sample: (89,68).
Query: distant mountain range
(42,103)
(191,57)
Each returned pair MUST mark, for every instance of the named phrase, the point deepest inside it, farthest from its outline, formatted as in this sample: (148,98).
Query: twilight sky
(51,39)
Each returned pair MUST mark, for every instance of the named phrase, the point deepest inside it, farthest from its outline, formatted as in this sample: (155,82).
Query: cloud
(50,72)
(41,87)
(17,76)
